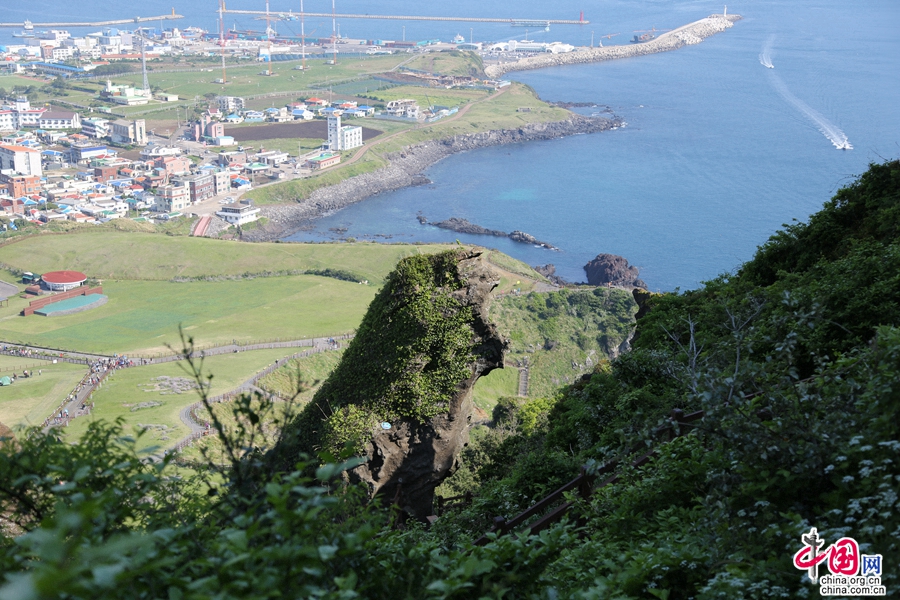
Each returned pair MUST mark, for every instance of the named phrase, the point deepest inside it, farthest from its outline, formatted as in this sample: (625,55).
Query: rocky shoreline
(692,33)
(405,169)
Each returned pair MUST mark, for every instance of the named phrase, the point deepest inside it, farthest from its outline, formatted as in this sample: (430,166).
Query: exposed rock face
(614,270)
(549,271)
(417,457)
(402,394)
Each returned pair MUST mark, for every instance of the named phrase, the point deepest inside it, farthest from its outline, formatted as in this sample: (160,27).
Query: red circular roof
(63,277)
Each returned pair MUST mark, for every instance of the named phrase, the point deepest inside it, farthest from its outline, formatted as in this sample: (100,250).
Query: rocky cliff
(402,394)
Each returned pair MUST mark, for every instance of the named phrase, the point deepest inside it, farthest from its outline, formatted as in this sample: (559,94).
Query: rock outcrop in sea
(405,169)
(610,269)
(463,226)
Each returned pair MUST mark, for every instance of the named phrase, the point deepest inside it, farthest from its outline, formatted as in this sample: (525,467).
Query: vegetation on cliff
(795,360)
(412,350)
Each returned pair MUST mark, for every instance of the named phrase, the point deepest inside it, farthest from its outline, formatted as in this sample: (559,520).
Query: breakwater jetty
(686,35)
(405,169)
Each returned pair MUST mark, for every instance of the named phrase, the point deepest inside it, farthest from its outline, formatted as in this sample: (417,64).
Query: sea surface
(719,149)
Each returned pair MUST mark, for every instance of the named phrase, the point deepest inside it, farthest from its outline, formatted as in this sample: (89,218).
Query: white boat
(459,39)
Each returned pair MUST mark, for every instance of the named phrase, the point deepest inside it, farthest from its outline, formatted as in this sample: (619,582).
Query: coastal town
(94,162)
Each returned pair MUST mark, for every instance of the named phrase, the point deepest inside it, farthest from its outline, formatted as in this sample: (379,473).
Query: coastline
(686,35)
(405,169)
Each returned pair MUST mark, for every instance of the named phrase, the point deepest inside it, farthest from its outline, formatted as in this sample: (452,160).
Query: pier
(95,23)
(282,15)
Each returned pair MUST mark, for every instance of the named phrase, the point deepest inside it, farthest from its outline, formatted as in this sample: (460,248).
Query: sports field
(140,398)
(30,400)
(144,316)
(108,255)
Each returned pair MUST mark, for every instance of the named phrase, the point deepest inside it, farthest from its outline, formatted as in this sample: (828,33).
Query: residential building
(20,185)
(128,132)
(173,198)
(344,137)
(405,107)
(230,104)
(173,165)
(8,120)
(240,214)
(60,120)
(20,160)
(222,181)
(200,186)
(95,127)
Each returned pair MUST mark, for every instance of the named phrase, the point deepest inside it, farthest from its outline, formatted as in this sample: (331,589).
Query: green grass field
(145,315)
(131,395)
(30,400)
(110,255)
(499,383)
(449,63)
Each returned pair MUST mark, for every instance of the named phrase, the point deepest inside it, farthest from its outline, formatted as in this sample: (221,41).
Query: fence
(15,351)
(584,484)
(236,346)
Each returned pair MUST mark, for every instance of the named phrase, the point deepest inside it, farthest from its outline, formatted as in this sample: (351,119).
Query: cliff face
(402,394)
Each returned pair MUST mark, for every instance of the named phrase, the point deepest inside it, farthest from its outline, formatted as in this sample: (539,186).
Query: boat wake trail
(828,129)
(765,56)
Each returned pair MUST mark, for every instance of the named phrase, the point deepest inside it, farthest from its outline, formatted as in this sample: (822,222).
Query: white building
(60,120)
(172,198)
(128,132)
(343,138)
(240,214)
(230,104)
(95,127)
(21,160)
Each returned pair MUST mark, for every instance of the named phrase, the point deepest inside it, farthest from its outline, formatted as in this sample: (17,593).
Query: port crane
(608,36)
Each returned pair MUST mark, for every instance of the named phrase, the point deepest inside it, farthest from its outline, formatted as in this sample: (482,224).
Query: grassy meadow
(136,396)
(30,400)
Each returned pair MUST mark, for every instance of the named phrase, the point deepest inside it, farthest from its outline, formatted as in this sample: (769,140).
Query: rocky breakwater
(405,170)
(687,35)
(613,270)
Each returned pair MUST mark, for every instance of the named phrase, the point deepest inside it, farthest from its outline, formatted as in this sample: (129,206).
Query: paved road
(8,289)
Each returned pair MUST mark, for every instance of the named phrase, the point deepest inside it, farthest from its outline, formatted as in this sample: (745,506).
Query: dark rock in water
(614,270)
(549,271)
(463,226)
(420,180)
(526,238)
(546,270)
(421,218)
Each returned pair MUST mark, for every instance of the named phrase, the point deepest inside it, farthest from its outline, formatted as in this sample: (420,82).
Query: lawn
(140,399)
(499,383)
(449,63)
(145,315)
(30,400)
(429,97)
(121,255)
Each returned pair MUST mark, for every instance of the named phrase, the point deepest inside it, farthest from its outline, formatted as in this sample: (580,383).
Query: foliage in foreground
(795,360)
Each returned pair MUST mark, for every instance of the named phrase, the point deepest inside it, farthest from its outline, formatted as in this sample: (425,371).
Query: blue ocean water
(718,152)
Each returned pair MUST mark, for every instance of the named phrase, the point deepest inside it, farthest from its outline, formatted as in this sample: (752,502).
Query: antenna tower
(302,37)
(144,62)
(222,37)
(269,36)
